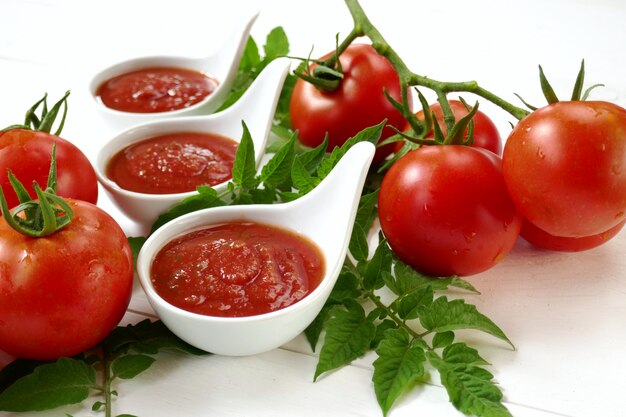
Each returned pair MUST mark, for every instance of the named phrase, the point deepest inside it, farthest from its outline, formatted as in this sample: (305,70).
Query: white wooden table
(566,313)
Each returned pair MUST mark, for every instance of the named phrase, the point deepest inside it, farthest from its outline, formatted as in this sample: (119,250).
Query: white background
(564,312)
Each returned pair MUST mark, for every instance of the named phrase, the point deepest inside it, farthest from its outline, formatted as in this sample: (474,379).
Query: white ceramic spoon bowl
(256,107)
(325,216)
(221,65)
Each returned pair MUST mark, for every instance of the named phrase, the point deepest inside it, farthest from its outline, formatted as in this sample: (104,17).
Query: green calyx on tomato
(45,121)
(42,217)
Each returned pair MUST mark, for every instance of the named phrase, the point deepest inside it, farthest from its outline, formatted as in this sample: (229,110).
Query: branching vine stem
(363,27)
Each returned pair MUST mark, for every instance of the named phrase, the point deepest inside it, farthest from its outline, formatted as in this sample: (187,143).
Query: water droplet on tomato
(540,154)
(619,215)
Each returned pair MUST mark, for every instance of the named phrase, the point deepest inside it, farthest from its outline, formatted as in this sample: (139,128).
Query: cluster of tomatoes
(560,181)
(61,293)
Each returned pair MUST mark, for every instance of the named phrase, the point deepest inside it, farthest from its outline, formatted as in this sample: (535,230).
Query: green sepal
(578,85)
(546,88)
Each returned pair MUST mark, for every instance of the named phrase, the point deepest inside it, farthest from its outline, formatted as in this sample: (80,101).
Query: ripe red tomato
(486,133)
(357,103)
(565,167)
(62,294)
(445,210)
(27,154)
(537,237)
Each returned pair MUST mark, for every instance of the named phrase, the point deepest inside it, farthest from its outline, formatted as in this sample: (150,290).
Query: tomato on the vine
(358,102)
(63,293)
(27,154)
(537,237)
(445,210)
(485,132)
(565,167)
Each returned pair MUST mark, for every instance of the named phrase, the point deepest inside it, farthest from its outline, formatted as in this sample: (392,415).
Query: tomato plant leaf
(129,366)
(66,381)
(251,58)
(381,329)
(302,180)
(408,279)
(312,158)
(314,330)
(358,243)
(370,134)
(407,306)
(135,245)
(348,336)
(442,339)
(373,277)
(443,315)
(276,44)
(471,389)
(399,365)
(460,353)
(244,165)
(277,170)
(207,197)
(366,212)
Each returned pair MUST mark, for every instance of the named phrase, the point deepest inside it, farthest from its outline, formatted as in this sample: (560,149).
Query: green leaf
(244,166)
(409,305)
(370,134)
(348,336)
(277,171)
(358,243)
(443,315)
(312,158)
(443,339)
(129,366)
(346,287)
(16,370)
(460,353)
(276,44)
(399,365)
(373,277)
(251,58)
(146,337)
(408,279)
(97,406)
(66,381)
(302,180)
(471,389)
(366,213)
(381,329)
(314,330)
(135,245)
(207,197)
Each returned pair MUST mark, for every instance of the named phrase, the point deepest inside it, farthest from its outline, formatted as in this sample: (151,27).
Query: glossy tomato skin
(537,237)
(565,167)
(62,294)
(445,210)
(27,154)
(357,103)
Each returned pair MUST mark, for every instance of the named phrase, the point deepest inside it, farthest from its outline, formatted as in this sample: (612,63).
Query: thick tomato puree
(153,90)
(173,163)
(237,269)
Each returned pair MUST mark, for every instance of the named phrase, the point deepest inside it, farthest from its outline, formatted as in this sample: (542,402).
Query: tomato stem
(362,25)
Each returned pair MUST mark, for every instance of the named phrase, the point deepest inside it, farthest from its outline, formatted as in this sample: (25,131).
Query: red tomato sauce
(153,90)
(173,163)
(237,269)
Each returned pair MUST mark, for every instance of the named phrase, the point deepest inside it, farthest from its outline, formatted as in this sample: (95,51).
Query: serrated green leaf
(276,44)
(366,212)
(408,279)
(129,366)
(358,243)
(443,339)
(302,180)
(381,329)
(314,330)
(312,158)
(277,171)
(348,336)
(471,389)
(66,381)
(346,287)
(146,337)
(266,195)
(244,165)
(207,197)
(443,315)
(16,370)
(399,365)
(370,134)
(409,305)
(373,276)
(461,354)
